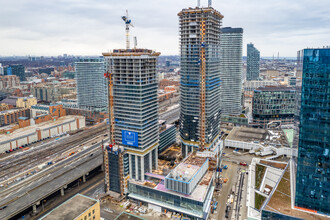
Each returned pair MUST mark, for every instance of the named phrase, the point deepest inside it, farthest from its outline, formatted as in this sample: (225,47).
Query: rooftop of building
(231,30)
(72,208)
(11,110)
(274,137)
(198,194)
(32,128)
(131,52)
(188,168)
(248,134)
(275,88)
(199,10)
(280,201)
(125,216)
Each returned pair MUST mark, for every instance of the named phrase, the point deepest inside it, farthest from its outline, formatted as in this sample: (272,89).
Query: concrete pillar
(130,164)
(102,167)
(62,191)
(142,168)
(186,151)
(136,167)
(150,161)
(84,178)
(34,207)
(156,159)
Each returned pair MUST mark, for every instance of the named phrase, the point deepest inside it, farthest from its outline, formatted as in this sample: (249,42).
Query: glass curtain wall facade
(231,43)
(190,46)
(273,104)
(253,63)
(92,88)
(313,166)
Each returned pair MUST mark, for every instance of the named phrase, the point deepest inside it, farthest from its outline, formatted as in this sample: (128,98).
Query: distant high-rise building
(92,88)
(313,165)
(16,69)
(231,42)
(200,77)
(135,107)
(1,70)
(253,62)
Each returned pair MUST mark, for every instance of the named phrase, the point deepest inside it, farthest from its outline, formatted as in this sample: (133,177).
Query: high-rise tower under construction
(135,107)
(200,78)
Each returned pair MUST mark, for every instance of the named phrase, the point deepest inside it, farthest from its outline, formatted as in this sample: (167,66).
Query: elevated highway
(31,191)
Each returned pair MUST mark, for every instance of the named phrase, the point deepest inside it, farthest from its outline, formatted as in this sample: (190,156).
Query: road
(231,173)
(88,188)
(170,116)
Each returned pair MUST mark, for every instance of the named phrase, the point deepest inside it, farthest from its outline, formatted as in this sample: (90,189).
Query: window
(85,218)
(89,214)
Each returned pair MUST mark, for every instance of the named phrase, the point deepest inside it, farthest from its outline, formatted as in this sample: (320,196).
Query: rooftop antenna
(128,24)
(210,3)
(135,42)
(198,3)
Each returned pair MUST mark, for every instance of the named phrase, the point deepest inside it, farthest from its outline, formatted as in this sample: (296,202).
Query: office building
(167,135)
(200,78)
(16,69)
(273,104)
(135,104)
(78,207)
(253,62)
(91,84)
(231,68)
(313,166)
(187,189)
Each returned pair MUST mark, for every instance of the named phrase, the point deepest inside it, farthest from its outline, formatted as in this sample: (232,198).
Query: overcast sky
(90,27)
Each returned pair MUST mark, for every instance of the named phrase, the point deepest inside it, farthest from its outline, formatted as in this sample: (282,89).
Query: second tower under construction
(200,78)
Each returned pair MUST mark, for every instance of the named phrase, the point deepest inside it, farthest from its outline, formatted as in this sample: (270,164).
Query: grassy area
(258,200)
(260,171)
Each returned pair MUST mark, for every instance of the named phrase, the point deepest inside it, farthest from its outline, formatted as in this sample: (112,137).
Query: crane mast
(128,23)
(202,85)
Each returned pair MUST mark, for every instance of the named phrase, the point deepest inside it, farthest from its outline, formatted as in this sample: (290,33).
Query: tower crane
(128,23)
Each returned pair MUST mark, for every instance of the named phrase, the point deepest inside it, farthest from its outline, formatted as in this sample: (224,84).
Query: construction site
(181,181)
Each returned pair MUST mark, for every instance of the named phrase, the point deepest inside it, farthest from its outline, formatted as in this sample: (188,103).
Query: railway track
(35,157)
(39,176)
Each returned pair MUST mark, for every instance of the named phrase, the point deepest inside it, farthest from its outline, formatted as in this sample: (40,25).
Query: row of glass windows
(191,205)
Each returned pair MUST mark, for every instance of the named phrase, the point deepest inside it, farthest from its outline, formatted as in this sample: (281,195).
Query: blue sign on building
(130,138)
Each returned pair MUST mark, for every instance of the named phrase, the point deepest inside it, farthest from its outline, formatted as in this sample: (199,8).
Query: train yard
(21,165)
(30,176)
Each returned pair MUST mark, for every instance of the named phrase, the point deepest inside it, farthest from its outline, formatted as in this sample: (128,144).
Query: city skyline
(86,28)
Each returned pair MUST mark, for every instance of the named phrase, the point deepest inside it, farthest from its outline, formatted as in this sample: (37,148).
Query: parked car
(243,164)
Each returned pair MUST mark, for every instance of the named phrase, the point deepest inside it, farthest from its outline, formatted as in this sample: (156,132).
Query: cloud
(86,27)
